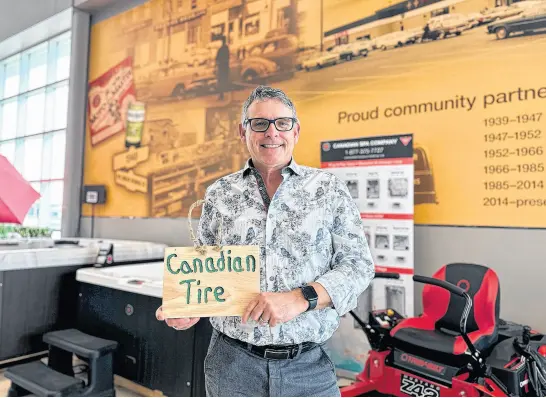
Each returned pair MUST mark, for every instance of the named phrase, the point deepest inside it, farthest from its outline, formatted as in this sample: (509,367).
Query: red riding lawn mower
(458,346)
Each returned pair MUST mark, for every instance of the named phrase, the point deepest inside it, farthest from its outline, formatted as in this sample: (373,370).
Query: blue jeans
(231,370)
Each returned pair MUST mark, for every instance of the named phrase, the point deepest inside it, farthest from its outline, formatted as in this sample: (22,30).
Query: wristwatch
(310,294)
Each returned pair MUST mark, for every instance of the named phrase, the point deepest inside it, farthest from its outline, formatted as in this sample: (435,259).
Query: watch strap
(311,296)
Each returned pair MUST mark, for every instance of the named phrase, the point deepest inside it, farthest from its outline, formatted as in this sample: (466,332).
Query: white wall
(517,255)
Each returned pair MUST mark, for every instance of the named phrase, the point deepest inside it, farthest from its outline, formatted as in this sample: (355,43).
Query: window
(34,104)
(8,119)
(37,59)
(283,18)
(33,118)
(217,31)
(12,67)
(8,150)
(252,24)
(193,32)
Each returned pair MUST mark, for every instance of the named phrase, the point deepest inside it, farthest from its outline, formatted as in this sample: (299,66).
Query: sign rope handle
(201,249)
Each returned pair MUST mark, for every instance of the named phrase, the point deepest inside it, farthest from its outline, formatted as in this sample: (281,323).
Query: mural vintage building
(167,80)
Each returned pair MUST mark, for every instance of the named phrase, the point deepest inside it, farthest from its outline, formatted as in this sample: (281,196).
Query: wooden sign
(216,283)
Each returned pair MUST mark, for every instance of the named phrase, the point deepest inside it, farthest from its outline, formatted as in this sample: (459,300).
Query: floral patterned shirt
(310,231)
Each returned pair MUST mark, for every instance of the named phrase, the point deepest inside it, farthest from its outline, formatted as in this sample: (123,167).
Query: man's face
(271,149)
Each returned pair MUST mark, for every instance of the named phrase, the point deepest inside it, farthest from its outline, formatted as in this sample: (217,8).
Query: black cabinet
(150,353)
(32,302)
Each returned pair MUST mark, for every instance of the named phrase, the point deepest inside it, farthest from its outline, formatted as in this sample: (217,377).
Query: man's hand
(176,323)
(275,308)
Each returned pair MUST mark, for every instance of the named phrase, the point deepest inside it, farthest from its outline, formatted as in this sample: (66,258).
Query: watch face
(309,293)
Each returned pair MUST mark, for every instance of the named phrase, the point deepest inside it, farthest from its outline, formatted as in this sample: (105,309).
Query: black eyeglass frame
(269,121)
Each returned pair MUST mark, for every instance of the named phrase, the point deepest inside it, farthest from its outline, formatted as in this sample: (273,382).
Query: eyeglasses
(261,125)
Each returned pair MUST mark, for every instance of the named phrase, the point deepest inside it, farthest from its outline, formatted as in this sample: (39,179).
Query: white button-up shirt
(310,231)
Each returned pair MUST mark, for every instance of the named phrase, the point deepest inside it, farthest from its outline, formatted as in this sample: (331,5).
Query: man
(315,261)
(222,68)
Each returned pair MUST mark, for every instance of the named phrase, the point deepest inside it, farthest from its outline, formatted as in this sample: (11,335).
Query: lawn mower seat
(438,328)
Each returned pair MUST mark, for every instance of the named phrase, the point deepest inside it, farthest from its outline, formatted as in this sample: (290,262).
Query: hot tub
(146,278)
(38,289)
(119,303)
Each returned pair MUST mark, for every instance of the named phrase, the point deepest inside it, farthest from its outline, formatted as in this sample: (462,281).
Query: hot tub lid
(143,278)
(35,253)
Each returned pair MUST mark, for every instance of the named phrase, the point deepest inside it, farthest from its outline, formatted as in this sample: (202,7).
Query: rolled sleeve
(352,267)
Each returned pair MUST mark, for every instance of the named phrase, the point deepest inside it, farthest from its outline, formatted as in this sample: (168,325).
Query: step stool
(56,379)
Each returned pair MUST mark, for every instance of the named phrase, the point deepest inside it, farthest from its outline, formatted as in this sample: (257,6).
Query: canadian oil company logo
(326,146)
(405,140)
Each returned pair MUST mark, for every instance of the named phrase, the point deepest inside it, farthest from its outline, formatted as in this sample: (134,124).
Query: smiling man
(314,258)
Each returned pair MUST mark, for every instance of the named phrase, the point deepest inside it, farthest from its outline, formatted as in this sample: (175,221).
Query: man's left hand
(275,308)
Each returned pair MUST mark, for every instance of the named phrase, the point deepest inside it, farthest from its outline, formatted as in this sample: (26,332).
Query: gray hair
(263,93)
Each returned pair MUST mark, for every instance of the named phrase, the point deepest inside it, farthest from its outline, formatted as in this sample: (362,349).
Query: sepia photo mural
(466,77)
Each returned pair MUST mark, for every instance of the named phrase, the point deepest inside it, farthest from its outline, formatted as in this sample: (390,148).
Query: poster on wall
(379,173)
(167,80)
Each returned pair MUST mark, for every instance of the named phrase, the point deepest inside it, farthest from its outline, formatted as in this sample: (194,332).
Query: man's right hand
(176,323)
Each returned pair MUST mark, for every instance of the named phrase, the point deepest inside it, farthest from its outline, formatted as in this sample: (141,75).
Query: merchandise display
(396,298)
(394,293)
(458,346)
(398,187)
(372,189)
(390,241)
(383,167)
(119,303)
(38,288)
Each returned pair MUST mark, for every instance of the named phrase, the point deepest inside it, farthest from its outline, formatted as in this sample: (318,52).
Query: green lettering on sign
(188,281)
(209,265)
(250,259)
(218,291)
(237,264)
(221,263)
(197,261)
(229,260)
(202,294)
(169,264)
(185,267)
(194,267)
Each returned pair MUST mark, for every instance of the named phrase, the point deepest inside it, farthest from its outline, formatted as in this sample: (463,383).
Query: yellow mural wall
(165,96)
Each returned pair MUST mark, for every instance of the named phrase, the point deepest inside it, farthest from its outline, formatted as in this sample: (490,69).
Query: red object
(108,100)
(16,194)
(419,356)
(395,371)
(388,380)
(481,284)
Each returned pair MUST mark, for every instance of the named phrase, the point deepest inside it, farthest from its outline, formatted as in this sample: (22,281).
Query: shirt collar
(292,167)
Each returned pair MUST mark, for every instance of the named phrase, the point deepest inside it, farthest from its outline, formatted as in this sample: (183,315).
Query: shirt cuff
(341,293)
